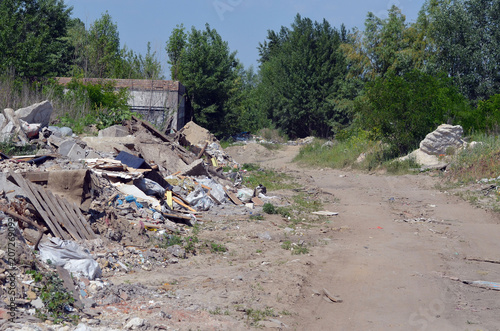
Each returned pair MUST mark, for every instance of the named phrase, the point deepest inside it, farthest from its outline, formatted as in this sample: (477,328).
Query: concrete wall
(161,102)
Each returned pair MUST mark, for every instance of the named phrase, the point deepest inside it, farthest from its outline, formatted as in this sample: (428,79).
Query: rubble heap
(96,206)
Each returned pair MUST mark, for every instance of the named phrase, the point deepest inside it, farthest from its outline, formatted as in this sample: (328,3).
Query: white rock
(3,121)
(82,327)
(444,137)
(135,323)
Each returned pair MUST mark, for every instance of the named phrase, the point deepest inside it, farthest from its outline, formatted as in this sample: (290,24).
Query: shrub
(401,110)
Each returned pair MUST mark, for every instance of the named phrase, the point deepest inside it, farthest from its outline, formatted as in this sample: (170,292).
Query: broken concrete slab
(3,121)
(17,131)
(110,144)
(36,113)
(196,168)
(114,131)
(72,150)
(194,135)
(161,154)
(7,131)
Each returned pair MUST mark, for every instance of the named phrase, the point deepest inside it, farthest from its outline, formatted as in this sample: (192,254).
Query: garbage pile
(92,206)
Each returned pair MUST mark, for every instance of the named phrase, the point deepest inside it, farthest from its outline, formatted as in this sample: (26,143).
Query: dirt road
(396,255)
(392,274)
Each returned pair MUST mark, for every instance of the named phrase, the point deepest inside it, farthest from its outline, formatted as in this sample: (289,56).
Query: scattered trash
(70,256)
(330,298)
(483,284)
(325,213)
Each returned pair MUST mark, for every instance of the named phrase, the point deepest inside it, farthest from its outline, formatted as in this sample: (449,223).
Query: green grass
(347,153)
(482,161)
(271,179)
(294,248)
(254,316)
(9,148)
(272,146)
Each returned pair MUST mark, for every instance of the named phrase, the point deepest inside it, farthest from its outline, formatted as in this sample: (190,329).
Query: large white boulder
(442,139)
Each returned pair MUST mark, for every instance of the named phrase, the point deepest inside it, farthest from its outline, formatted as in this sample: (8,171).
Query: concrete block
(113,131)
(36,113)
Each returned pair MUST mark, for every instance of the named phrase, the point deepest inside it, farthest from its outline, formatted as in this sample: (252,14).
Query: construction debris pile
(95,206)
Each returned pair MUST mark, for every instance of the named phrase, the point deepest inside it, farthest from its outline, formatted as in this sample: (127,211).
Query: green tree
(467,37)
(175,47)
(302,69)
(135,66)
(402,109)
(103,48)
(208,70)
(387,45)
(32,37)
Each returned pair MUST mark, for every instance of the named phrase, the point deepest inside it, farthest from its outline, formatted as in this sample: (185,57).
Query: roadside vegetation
(373,94)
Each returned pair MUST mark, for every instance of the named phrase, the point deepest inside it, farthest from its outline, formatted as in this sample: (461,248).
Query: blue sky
(242,23)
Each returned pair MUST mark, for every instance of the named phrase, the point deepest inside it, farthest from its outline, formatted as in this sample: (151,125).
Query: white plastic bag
(70,256)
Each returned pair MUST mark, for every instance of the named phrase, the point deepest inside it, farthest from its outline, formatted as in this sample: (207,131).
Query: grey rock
(113,131)
(65,131)
(37,303)
(7,131)
(135,323)
(328,144)
(36,113)
(3,121)
(265,236)
(82,327)
(177,251)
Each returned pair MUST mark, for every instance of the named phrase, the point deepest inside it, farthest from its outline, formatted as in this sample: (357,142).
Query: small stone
(265,236)
(31,295)
(135,323)
(38,303)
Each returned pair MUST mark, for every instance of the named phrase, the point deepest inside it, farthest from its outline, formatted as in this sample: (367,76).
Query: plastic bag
(217,190)
(245,194)
(70,256)
(150,187)
(199,200)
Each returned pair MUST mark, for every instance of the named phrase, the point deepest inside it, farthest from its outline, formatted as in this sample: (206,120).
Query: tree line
(395,80)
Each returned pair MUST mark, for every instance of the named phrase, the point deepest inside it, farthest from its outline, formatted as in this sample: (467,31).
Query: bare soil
(395,256)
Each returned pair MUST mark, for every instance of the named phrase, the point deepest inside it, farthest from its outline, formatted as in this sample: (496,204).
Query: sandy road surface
(392,274)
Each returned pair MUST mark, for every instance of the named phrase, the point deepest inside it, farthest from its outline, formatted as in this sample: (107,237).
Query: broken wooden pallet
(63,218)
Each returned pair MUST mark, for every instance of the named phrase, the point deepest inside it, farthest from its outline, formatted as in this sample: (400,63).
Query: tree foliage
(208,70)
(467,38)
(175,46)
(403,109)
(302,69)
(32,37)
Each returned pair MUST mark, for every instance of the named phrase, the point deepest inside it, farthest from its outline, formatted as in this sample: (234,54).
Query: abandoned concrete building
(162,102)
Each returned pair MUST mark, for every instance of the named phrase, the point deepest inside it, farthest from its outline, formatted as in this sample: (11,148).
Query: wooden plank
(83,220)
(65,219)
(233,197)
(76,221)
(257,201)
(77,214)
(202,150)
(213,198)
(153,130)
(184,218)
(49,209)
(178,196)
(27,190)
(37,176)
(183,204)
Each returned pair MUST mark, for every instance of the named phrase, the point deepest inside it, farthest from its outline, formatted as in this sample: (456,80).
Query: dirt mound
(249,153)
